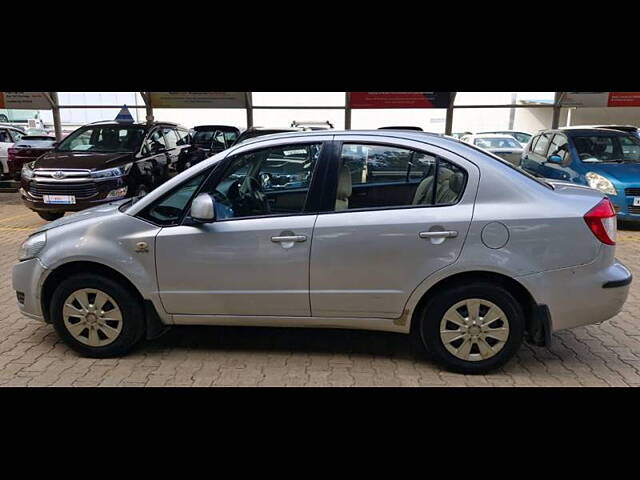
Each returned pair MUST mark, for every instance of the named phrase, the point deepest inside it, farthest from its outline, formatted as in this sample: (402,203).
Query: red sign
(624,99)
(400,99)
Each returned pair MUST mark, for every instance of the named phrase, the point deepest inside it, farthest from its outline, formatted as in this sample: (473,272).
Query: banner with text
(198,99)
(601,99)
(400,99)
(24,101)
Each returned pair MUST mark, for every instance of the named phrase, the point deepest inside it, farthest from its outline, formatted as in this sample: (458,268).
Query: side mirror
(203,209)
(554,159)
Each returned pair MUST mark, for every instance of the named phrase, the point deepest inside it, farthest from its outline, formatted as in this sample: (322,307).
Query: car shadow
(629,226)
(292,340)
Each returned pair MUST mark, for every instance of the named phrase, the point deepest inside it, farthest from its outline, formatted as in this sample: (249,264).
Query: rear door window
(560,146)
(170,137)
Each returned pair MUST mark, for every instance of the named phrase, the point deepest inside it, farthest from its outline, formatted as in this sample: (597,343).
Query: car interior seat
(344,189)
(449,186)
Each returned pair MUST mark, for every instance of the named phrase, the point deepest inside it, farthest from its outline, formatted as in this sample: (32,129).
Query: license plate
(636,201)
(59,199)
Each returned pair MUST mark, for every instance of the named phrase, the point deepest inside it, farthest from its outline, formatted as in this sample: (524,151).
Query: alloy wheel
(92,317)
(474,329)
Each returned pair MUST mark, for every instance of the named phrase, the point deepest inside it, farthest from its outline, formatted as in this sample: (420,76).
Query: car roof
(491,135)
(215,127)
(505,131)
(582,129)
(140,124)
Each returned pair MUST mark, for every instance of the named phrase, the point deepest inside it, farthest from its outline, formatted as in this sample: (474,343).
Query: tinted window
(108,138)
(374,176)
(4,136)
(542,145)
(272,181)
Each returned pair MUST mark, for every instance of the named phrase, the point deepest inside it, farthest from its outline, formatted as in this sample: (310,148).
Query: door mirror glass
(554,159)
(203,208)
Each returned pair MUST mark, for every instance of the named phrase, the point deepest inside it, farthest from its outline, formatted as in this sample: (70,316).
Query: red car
(26,150)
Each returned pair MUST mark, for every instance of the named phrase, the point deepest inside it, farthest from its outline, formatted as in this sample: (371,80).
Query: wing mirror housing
(203,208)
(554,159)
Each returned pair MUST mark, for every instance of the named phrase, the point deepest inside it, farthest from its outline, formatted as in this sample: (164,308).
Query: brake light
(601,220)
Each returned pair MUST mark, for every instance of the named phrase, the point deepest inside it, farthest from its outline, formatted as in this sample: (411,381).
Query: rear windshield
(607,148)
(502,142)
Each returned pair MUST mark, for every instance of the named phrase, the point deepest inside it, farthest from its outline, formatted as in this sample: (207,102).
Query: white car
(522,137)
(504,146)
(8,136)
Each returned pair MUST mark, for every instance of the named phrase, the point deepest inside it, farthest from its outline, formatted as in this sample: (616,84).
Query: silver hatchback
(382,230)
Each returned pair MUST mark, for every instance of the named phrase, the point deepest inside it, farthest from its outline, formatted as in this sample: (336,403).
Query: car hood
(623,173)
(94,214)
(84,160)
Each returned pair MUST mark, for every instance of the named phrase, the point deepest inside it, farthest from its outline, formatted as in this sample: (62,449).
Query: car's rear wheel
(50,216)
(472,329)
(96,316)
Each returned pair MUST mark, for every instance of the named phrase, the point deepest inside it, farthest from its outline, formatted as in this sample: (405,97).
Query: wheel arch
(520,292)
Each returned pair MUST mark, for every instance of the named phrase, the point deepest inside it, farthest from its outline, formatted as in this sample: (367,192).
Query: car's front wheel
(472,329)
(96,316)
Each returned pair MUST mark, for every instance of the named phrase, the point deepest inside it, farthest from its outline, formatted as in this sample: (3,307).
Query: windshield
(104,139)
(501,142)
(607,148)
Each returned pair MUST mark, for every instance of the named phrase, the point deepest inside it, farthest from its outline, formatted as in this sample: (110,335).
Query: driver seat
(344,189)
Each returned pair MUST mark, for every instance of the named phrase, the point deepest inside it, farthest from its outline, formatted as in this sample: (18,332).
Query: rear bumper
(581,295)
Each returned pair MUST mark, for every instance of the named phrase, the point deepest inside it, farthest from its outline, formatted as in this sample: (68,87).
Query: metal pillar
(249,98)
(555,121)
(449,120)
(347,111)
(55,110)
(147,103)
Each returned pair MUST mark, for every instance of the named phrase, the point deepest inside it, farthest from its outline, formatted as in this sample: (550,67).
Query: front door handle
(289,239)
(443,234)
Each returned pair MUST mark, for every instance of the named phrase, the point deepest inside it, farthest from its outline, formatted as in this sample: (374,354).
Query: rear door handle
(443,234)
(289,239)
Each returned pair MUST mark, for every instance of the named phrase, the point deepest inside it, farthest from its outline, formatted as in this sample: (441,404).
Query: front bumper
(27,278)
(581,295)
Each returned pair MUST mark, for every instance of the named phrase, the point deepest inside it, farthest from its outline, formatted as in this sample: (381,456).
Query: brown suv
(102,162)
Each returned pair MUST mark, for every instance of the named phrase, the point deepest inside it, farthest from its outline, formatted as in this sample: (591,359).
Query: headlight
(112,172)
(601,183)
(27,170)
(32,246)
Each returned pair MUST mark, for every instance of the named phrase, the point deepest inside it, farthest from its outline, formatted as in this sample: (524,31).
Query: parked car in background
(326,125)
(254,132)
(10,115)
(207,140)
(8,136)
(415,129)
(605,159)
(102,162)
(459,135)
(26,150)
(504,146)
(522,137)
(218,245)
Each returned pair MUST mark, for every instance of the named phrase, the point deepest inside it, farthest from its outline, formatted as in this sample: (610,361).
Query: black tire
(434,311)
(133,324)
(50,216)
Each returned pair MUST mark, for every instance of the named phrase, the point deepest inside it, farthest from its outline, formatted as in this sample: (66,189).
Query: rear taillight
(601,220)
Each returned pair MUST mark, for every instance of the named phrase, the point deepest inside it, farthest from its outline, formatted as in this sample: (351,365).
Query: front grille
(20,296)
(634,210)
(632,192)
(80,190)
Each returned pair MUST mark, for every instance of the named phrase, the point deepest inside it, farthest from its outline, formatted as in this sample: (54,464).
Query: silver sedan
(395,231)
